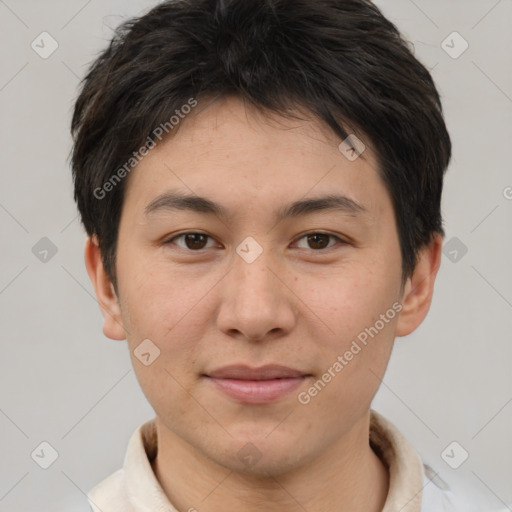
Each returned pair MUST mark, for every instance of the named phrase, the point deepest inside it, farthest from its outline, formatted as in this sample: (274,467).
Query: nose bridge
(255,283)
(254,301)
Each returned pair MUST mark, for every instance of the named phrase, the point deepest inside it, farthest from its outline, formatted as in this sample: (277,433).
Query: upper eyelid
(169,240)
(299,237)
(338,238)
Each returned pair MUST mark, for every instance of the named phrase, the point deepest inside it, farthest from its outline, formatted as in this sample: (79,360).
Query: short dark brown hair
(340,60)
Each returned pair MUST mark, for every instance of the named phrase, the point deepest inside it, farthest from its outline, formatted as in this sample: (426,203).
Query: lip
(260,385)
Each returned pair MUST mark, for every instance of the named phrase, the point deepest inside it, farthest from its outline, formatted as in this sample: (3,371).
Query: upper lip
(244,372)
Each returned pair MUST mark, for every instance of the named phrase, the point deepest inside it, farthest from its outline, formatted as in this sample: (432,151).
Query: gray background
(63,382)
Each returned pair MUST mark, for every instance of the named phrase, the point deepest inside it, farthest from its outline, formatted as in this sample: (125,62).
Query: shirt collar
(404,465)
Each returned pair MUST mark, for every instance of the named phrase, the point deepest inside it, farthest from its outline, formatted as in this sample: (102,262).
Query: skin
(298,304)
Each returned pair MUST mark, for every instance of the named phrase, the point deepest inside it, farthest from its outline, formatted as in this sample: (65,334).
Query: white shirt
(413,487)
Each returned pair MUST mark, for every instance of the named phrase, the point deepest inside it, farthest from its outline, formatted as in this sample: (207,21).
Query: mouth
(261,385)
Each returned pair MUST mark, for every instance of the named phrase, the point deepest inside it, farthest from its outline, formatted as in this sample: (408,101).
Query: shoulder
(134,485)
(110,495)
(454,494)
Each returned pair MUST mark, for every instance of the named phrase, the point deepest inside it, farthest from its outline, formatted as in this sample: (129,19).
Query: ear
(107,298)
(419,288)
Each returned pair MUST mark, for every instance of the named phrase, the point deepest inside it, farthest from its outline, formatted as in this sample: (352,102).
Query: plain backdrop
(64,383)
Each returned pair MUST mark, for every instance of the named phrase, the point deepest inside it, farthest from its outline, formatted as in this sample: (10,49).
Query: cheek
(167,310)
(158,298)
(353,359)
(346,301)
(168,389)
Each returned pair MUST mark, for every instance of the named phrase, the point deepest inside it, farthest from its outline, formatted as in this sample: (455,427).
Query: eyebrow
(171,201)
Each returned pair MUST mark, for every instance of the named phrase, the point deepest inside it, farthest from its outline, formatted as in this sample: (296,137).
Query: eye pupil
(315,240)
(195,240)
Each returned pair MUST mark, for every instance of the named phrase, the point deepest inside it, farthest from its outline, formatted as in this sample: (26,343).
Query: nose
(256,301)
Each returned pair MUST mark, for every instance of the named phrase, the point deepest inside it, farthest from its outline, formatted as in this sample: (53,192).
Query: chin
(260,456)
(264,466)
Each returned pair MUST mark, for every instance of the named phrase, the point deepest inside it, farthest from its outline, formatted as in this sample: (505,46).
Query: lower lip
(257,391)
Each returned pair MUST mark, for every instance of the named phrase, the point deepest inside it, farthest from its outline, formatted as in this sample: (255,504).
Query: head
(248,105)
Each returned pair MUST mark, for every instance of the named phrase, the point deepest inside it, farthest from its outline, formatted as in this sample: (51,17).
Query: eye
(317,241)
(191,241)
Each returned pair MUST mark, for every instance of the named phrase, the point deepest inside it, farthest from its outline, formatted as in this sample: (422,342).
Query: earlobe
(419,288)
(109,304)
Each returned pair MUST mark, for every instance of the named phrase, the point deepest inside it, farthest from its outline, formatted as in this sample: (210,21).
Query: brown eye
(195,240)
(318,241)
(191,241)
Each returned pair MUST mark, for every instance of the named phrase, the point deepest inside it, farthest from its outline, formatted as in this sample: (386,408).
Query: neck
(348,477)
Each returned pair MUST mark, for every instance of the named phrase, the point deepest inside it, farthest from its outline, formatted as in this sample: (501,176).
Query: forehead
(230,123)
(227,150)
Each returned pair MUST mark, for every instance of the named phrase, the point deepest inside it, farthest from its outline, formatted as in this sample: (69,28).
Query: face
(291,259)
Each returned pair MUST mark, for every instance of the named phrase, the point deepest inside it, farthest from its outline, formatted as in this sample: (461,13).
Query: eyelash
(305,235)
